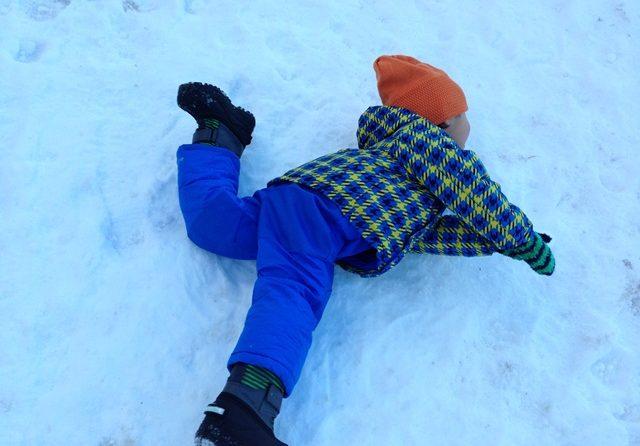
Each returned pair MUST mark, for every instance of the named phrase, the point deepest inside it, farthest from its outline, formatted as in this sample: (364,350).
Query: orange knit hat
(422,88)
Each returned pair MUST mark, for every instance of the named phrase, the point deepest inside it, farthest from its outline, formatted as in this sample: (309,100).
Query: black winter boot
(219,121)
(231,422)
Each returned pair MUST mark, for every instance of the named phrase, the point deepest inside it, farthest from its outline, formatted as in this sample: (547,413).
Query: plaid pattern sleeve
(458,179)
(451,236)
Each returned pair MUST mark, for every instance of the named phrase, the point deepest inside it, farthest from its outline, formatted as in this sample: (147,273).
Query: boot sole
(206,101)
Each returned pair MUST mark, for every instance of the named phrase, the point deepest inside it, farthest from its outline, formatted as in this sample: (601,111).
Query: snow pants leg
(300,235)
(294,234)
(215,217)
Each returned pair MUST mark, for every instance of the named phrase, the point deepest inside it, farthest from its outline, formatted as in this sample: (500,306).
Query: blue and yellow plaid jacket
(396,186)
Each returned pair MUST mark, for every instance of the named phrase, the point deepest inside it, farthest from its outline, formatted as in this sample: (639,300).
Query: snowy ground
(114,329)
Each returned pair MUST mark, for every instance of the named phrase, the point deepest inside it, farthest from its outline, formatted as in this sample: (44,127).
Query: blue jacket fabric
(294,234)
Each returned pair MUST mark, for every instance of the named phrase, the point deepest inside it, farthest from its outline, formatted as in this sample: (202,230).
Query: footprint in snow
(614,370)
(140,5)
(632,297)
(40,10)
(28,51)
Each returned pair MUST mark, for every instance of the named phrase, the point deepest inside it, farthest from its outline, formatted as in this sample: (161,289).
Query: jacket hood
(381,123)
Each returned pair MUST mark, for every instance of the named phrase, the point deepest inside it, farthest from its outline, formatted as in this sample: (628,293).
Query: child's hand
(536,253)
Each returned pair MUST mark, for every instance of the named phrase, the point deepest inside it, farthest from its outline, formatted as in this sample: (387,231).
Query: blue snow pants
(295,235)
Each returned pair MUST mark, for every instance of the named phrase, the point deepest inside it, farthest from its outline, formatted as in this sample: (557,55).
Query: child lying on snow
(361,208)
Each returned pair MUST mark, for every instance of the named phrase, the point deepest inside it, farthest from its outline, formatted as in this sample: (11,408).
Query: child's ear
(446,123)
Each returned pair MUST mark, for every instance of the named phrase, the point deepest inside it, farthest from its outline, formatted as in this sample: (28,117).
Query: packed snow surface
(115,329)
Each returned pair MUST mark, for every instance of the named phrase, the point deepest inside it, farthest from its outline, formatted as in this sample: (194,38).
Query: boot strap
(205,135)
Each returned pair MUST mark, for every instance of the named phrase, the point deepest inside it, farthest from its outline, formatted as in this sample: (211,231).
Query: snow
(115,329)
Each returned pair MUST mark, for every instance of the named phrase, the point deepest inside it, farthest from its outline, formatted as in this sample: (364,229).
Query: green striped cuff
(260,378)
(536,253)
(211,123)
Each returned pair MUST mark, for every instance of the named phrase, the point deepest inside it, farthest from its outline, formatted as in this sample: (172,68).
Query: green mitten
(536,253)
